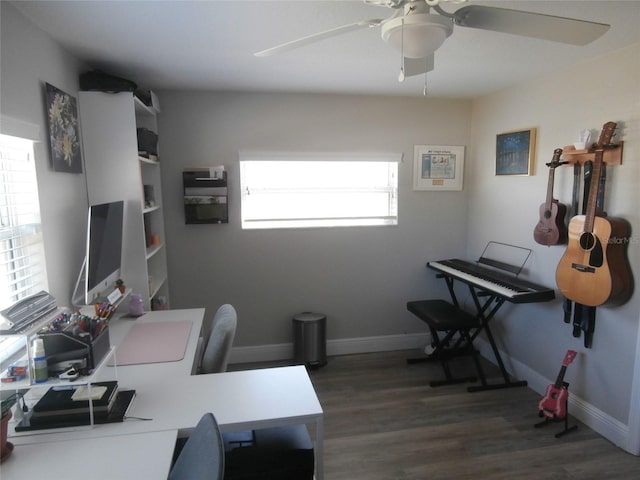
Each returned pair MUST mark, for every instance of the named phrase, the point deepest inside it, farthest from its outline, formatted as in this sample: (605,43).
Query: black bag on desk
(99,81)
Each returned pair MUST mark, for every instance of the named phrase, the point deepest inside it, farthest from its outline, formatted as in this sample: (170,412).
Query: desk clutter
(68,342)
(77,341)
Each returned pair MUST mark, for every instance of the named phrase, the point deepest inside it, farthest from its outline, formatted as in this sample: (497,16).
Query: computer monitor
(104,249)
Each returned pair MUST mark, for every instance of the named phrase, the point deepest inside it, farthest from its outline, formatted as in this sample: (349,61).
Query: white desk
(175,400)
(90,458)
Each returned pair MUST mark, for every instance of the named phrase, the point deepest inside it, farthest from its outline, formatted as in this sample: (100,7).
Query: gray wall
(360,278)
(29,60)
(506,208)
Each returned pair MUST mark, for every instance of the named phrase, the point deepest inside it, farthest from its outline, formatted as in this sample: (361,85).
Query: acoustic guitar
(554,403)
(551,229)
(594,269)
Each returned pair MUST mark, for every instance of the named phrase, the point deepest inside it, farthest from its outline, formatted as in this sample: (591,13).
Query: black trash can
(310,342)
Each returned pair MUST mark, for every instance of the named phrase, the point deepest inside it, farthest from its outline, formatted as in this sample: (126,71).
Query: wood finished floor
(383,422)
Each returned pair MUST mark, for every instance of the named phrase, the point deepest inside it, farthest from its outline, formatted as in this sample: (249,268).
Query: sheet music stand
(504,257)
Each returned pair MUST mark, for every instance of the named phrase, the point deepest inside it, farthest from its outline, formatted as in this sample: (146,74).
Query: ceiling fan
(417,33)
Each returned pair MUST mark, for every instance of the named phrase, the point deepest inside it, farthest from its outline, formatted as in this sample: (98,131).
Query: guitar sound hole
(547,214)
(587,241)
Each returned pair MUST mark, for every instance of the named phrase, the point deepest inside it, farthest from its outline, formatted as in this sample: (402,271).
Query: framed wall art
(438,167)
(515,152)
(64,135)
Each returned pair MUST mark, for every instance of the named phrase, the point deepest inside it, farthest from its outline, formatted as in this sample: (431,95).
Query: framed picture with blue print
(515,152)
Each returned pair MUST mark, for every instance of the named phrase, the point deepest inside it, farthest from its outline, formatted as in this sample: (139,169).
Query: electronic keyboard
(509,287)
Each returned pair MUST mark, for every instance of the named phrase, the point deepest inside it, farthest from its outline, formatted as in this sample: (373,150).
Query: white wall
(361,278)
(29,60)
(506,208)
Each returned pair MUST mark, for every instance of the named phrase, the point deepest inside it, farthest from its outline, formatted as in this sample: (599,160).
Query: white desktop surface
(239,400)
(174,400)
(92,458)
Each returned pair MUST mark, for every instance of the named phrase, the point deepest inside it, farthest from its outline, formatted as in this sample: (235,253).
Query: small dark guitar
(551,229)
(554,403)
(594,269)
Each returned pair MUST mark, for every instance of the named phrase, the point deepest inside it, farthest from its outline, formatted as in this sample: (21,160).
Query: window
(297,190)
(22,263)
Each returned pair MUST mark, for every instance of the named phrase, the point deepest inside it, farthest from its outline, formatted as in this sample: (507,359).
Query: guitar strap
(567,305)
(588,170)
(590,326)
(600,198)
(582,315)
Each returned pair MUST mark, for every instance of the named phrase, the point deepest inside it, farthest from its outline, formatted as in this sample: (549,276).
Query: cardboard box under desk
(65,347)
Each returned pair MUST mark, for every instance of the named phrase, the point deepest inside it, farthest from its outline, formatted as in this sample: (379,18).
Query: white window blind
(22,265)
(297,190)
(22,262)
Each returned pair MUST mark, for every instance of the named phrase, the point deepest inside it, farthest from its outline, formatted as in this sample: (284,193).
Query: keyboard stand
(485,312)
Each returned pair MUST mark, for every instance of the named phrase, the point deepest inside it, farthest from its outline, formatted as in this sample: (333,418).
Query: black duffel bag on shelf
(99,81)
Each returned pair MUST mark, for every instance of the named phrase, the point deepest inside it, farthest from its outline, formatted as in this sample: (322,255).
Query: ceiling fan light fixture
(423,33)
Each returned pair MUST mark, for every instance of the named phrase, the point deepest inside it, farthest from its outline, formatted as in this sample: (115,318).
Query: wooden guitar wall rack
(612,154)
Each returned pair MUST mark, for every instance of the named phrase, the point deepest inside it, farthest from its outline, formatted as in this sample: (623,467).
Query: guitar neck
(555,162)
(605,138)
(550,188)
(593,192)
(560,378)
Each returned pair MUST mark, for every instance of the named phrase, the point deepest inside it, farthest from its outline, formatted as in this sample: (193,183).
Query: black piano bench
(444,318)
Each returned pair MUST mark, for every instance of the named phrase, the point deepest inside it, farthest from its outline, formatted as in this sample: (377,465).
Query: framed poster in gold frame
(515,152)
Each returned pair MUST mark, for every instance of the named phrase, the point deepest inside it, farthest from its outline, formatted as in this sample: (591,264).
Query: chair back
(216,353)
(202,457)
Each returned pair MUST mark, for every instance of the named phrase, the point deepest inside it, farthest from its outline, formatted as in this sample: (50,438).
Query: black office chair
(278,453)
(202,456)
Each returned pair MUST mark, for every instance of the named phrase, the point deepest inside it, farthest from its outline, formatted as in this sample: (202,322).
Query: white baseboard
(607,426)
(346,346)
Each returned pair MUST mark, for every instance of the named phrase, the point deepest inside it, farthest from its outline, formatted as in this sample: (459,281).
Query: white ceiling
(209,45)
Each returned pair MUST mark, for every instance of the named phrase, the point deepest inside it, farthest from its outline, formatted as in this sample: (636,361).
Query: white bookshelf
(115,171)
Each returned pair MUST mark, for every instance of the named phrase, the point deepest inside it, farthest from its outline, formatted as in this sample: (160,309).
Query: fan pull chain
(424,90)
(401,75)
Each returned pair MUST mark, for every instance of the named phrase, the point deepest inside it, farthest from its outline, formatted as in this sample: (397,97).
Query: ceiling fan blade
(417,66)
(537,25)
(316,37)
(385,3)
